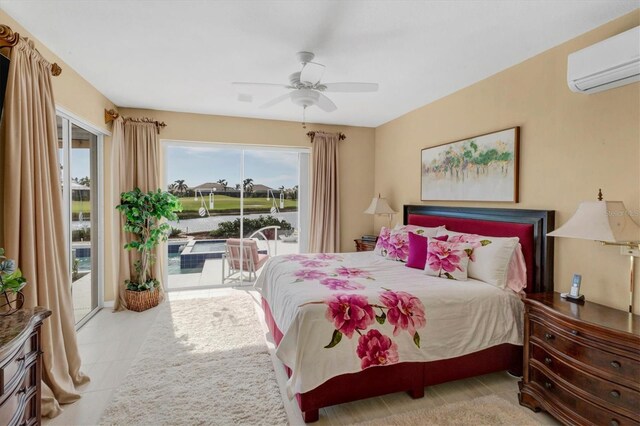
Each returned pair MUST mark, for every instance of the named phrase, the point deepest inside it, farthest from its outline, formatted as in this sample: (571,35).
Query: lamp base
(574,299)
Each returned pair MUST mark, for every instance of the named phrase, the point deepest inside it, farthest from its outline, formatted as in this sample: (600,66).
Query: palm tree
(223,182)
(181,187)
(247,185)
(237,187)
(172,188)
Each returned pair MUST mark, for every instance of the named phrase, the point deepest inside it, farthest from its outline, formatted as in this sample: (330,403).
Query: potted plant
(11,284)
(144,214)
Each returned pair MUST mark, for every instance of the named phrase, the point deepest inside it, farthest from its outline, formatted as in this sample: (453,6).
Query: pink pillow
(516,271)
(418,249)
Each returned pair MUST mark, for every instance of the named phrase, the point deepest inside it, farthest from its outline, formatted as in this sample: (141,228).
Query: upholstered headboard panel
(530,226)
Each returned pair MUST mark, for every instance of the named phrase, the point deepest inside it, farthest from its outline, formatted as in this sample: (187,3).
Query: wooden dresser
(21,367)
(581,361)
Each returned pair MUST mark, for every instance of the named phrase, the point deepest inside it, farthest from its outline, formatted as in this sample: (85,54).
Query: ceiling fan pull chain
(304,110)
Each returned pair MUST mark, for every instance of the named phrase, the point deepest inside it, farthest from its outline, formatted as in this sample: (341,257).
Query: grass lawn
(224,202)
(80,206)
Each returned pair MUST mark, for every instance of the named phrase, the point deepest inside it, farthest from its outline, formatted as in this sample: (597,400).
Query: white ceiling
(183,55)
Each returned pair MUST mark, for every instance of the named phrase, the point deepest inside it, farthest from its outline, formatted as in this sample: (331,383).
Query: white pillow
(489,257)
(447,260)
(419,230)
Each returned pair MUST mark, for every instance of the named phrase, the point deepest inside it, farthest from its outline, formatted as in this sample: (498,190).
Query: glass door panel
(83,221)
(207,180)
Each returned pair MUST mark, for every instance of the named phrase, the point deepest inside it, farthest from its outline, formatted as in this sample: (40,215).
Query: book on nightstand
(372,238)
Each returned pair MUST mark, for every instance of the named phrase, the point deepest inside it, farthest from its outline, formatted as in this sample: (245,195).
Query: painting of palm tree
(482,168)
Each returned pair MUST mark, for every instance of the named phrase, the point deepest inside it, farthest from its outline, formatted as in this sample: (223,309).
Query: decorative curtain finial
(599,194)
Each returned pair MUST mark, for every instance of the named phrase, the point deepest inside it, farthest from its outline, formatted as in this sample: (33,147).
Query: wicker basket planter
(142,300)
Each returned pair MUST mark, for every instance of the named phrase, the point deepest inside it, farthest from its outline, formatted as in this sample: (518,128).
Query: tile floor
(110,341)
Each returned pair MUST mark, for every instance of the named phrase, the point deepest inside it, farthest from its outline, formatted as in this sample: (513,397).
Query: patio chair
(251,259)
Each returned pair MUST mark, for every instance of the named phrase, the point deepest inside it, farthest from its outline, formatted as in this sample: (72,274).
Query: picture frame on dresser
(581,361)
(479,168)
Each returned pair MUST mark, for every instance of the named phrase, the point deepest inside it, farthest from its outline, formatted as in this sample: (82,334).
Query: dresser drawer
(603,391)
(588,412)
(575,347)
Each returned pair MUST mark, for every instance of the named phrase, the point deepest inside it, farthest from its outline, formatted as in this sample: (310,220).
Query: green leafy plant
(175,232)
(11,278)
(144,214)
(231,228)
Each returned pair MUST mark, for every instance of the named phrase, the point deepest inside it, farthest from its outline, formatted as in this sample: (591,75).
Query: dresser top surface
(14,325)
(590,312)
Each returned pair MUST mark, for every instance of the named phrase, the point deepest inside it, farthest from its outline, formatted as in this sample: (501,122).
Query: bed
(382,349)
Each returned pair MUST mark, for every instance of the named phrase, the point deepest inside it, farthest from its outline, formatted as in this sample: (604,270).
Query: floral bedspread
(342,313)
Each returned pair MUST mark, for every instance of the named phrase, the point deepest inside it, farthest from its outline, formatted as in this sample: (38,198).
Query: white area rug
(205,361)
(486,410)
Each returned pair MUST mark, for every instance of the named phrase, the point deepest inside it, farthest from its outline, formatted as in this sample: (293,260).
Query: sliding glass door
(228,191)
(79,152)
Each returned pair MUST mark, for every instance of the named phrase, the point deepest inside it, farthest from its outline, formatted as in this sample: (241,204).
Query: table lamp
(379,205)
(608,222)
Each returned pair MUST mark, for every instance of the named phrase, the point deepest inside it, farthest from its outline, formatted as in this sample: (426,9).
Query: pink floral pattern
(475,241)
(374,348)
(308,274)
(348,313)
(343,271)
(405,311)
(448,259)
(312,263)
(328,256)
(340,284)
(398,248)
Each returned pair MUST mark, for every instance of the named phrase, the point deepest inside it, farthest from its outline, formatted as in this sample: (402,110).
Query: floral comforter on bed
(342,313)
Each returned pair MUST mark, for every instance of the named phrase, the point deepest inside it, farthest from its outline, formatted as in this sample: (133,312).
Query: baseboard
(109,304)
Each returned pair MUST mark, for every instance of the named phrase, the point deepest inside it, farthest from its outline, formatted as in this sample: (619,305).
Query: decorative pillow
(516,271)
(447,260)
(418,249)
(394,244)
(489,256)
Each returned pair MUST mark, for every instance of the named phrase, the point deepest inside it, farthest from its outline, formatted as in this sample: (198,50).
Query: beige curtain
(138,154)
(325,197)
(33,224)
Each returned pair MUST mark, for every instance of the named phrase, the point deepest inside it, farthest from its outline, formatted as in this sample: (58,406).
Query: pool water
(174,266)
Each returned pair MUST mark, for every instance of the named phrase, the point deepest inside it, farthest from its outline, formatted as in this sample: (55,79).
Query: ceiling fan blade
(325,103)
(351,87)
(244,83)
(277,100)
(311,73)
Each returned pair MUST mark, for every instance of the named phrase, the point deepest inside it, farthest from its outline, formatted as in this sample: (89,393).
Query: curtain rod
(111,114)
(341,136)
(9,38)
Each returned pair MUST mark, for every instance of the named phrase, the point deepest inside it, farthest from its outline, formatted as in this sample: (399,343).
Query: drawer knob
(23,390)
(615,364)
(549,336)
(614,394)
(548,385)
(614,422)
(547,360)
(20,359)
(574,332)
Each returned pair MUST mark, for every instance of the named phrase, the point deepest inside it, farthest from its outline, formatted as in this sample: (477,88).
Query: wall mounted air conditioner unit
(611,63)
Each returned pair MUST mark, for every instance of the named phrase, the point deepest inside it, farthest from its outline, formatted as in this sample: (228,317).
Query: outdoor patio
(211,275)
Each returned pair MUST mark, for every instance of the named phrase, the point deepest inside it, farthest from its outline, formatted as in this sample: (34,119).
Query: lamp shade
(379,206)
(606,221)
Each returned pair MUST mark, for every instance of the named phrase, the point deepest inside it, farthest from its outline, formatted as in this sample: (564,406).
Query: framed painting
(481,168)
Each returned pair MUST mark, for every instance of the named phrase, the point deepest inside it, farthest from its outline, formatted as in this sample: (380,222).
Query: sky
(197,165)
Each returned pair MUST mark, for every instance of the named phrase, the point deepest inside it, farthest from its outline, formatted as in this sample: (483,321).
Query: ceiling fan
(307,89)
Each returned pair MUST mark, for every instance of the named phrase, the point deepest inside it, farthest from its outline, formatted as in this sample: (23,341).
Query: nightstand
(581,361)
(362,245)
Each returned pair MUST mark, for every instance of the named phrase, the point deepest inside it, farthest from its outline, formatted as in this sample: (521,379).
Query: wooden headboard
(531,226)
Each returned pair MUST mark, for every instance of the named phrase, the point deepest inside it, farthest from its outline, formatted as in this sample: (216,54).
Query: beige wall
(571,145)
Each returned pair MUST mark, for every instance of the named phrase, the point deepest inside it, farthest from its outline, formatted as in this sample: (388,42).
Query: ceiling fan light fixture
(305,97)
